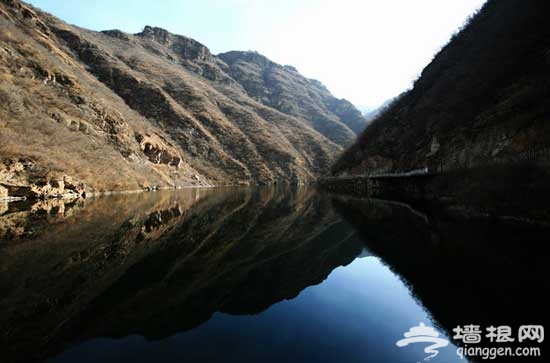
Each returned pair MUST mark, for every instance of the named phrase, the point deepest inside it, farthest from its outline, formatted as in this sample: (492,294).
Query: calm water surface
(356,315)
(247,275)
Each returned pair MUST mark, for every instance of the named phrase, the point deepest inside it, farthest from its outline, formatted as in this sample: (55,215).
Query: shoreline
(89,195)
(72,196)
(514,192)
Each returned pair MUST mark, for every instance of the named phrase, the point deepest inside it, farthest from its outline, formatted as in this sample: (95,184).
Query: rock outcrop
(125,111)
(24,179)
(157,152)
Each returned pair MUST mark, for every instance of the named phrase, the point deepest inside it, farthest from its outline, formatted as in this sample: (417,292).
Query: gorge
(116,111)
(279,224)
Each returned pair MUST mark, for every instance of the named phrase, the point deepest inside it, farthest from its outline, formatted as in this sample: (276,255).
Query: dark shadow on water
(159,263)
(465,270)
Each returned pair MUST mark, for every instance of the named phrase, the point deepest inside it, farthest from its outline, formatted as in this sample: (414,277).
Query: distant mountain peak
(285,89)
(186,47)
(155,33)
(251,56)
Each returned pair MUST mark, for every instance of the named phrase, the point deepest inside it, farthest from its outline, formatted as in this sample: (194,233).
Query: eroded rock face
(156,152)
(25,179)
(185,47)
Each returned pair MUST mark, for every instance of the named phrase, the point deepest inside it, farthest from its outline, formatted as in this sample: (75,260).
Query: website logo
(424,334)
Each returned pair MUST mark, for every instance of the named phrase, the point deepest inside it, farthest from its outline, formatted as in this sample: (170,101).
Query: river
(256,275)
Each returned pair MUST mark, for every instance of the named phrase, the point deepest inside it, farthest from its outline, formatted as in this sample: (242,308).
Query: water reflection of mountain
(160,263)
(465,271)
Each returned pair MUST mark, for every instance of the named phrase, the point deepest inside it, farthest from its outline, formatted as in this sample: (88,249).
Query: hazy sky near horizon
(366,51)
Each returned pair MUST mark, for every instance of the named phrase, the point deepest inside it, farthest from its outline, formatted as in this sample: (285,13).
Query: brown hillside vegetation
(121,111)
(483,100)
(283,88)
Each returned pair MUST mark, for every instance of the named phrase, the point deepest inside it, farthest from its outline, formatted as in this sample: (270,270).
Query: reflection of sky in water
(356,315)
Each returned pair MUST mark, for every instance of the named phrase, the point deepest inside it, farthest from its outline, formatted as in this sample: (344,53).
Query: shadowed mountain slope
(482,100)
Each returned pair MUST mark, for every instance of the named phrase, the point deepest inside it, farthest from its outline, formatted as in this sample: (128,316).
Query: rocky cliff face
(125,111)
(482,100)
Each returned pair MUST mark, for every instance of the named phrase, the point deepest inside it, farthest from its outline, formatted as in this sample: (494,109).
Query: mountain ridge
(119,111)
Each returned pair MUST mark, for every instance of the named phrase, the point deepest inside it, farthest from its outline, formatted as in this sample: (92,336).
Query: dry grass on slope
(123,111)
(58,115)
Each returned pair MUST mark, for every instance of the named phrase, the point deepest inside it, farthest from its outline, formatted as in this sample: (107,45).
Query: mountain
(286,90)
(365,109)
(372,113)
(483,100)
(96,111)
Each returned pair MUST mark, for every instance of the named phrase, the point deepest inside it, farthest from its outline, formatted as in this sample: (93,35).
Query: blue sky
(364,50)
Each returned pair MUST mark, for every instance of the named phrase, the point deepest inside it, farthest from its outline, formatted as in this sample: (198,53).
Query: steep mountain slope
(482,100)
(118,111)
(283,88)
